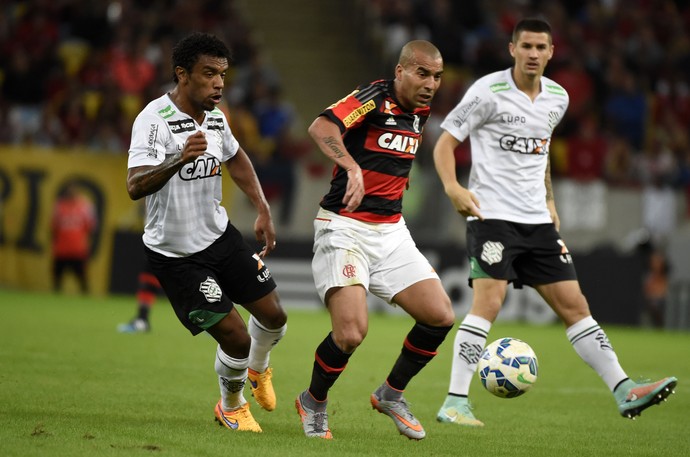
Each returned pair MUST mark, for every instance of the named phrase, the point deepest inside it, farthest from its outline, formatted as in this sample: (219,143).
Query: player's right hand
(465,202)
(194,147)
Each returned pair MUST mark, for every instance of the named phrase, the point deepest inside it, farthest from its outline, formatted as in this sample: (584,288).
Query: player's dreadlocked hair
(186,52)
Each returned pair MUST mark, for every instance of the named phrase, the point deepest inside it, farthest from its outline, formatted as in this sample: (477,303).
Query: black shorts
(203,286)
(531,254)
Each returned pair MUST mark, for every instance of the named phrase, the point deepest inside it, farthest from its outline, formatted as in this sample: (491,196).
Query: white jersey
(185,216)
(510,137)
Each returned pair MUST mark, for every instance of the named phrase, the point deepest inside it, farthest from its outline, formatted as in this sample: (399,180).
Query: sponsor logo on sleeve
(151,142)
(465,111)
(358,113)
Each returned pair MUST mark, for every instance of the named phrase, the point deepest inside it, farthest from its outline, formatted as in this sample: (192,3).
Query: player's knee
(232,336)
(235,345)
(348,341)
(442,315)
(276,319)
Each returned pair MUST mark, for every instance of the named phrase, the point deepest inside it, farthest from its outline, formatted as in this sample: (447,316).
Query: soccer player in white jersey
(512,224)
(179,142)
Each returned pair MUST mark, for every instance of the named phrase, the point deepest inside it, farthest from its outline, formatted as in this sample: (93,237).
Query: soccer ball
(507,367)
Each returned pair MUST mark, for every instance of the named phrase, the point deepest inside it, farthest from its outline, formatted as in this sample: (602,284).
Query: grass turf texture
(70,385)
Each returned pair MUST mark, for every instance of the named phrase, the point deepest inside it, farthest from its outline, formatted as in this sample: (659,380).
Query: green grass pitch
(70,385)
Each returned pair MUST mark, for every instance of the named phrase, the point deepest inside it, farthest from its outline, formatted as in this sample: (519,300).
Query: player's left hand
(354,192)
(265,233)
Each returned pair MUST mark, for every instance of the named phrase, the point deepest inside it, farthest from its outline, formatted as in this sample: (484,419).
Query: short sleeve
(150,136)
(468,115)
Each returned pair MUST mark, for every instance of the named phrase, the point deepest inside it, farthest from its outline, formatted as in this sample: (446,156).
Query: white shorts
(381,257)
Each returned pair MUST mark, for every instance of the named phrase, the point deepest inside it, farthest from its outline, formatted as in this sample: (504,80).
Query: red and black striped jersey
(383,138)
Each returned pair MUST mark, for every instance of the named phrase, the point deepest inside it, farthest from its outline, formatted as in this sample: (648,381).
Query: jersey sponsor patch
(397,142)
(554,89)
(181,126)
(522,145)
(499,87)
(358,112)
(167,112)
(204,167)
(264,275)
(565,254)
(465,111)
(151,142)
(211,290)
(215,123)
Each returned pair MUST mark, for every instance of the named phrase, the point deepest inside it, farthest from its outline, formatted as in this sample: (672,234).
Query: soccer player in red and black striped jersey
(361,242)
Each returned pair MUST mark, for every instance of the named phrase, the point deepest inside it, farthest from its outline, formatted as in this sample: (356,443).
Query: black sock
(329,362)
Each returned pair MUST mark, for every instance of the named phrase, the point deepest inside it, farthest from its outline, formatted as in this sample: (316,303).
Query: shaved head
(409,51)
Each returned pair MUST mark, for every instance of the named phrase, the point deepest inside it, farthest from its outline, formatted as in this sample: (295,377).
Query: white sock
(232,374)
(469,343)
(592,345)
(263,340)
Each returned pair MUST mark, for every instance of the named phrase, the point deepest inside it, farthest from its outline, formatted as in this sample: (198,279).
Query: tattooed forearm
(151,179)
(333,145)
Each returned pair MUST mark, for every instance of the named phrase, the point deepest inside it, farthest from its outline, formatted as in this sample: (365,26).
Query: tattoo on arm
(152,180)
(332,143)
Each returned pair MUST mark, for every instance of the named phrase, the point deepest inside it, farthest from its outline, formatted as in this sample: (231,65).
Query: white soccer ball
(508,367)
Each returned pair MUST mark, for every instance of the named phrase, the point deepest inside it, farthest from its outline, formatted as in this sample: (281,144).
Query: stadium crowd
(74,73)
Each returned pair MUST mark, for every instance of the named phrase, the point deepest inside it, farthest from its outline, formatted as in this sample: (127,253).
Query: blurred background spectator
(73,224)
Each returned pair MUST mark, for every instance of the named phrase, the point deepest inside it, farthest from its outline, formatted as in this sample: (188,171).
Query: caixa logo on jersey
(523,145)
(205,167)
(399,143)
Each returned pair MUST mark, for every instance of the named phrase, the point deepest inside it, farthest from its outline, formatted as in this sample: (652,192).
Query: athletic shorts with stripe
(531,254)
(381,257)
(203,286)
